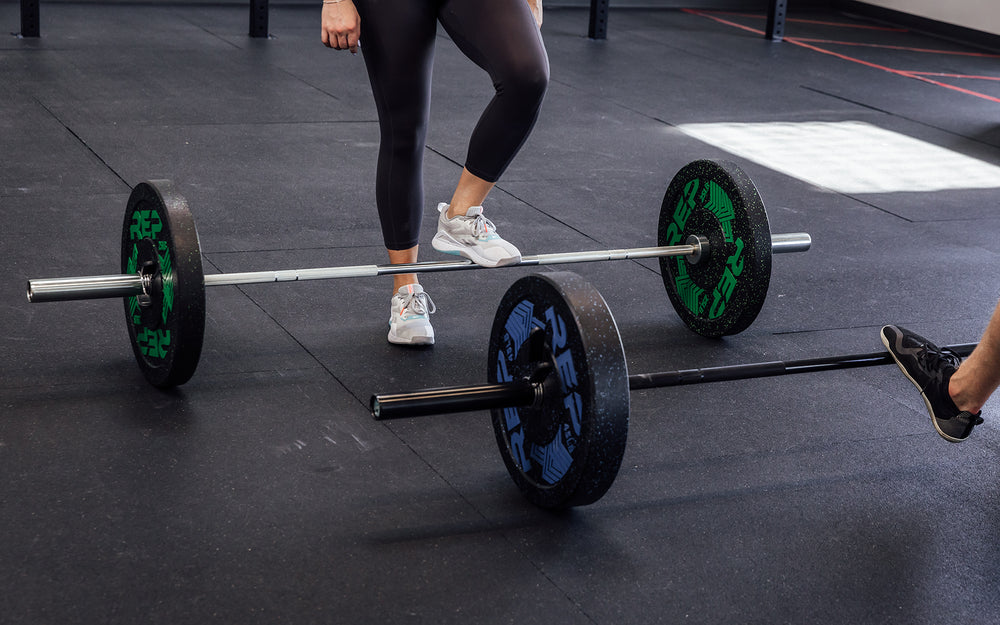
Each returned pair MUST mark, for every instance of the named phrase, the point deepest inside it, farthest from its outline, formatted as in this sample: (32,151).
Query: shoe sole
(923,396)
(450,246)
(395,339)
(417,340)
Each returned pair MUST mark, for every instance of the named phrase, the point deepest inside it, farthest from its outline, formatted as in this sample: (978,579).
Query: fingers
(341,26)
(348,41)
(341,42)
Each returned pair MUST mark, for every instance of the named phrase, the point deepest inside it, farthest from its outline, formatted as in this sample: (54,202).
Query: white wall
(982,15)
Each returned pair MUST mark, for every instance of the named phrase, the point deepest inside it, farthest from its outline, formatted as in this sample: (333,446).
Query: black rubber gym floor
(262,491)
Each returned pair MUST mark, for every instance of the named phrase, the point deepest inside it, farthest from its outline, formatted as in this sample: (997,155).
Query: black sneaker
(930,368)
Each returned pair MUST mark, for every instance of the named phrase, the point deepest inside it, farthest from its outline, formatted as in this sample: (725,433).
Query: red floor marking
(984,55)
(803,43)
(722,21)
(898,72)
(846,25)
(965,76)
(803,21)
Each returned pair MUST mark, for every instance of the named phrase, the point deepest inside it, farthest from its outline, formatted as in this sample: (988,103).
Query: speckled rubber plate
(566,449)
(167,325)
(724,291)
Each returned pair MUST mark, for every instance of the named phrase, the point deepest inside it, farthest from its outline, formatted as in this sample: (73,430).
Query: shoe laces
(936,358)
(418,304)
(482,227)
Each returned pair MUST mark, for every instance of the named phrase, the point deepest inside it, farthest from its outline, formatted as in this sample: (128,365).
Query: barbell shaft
(125,285)
(522,393)
(780,244)
(367,271)
(769,369)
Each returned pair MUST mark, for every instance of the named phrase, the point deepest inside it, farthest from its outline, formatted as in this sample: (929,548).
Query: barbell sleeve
(455,399)
(84,287)
(790,242)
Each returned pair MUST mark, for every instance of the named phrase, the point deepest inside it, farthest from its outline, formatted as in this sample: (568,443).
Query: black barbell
(714,246)
(558,388)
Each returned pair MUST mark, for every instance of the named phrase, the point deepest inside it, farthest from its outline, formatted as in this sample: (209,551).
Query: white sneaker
(409,321)
(474,237)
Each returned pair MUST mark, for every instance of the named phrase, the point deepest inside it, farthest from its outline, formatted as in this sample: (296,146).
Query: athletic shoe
(930,368)
(409,321)
(473,236)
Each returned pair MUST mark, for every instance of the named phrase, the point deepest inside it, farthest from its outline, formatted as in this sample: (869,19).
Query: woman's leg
(403,257)
(398,45)
(470,191)
(501,37)
(397,41)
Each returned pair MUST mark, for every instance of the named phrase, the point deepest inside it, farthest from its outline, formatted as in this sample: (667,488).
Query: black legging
(397,40)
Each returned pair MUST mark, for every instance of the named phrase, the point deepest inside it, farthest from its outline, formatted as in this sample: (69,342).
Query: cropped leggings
(397,40)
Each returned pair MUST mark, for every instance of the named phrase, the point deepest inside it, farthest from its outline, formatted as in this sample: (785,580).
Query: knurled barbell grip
(452,399)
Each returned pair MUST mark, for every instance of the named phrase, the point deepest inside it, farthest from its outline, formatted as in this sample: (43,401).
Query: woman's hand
(341,25)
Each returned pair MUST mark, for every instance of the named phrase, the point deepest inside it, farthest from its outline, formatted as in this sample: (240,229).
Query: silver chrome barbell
(128,285)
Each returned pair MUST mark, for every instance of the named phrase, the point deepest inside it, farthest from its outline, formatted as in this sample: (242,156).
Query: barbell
(714,246)
(558,388)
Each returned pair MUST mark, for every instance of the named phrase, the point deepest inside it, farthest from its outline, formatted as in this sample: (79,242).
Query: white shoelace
(419,304)
(482,227)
